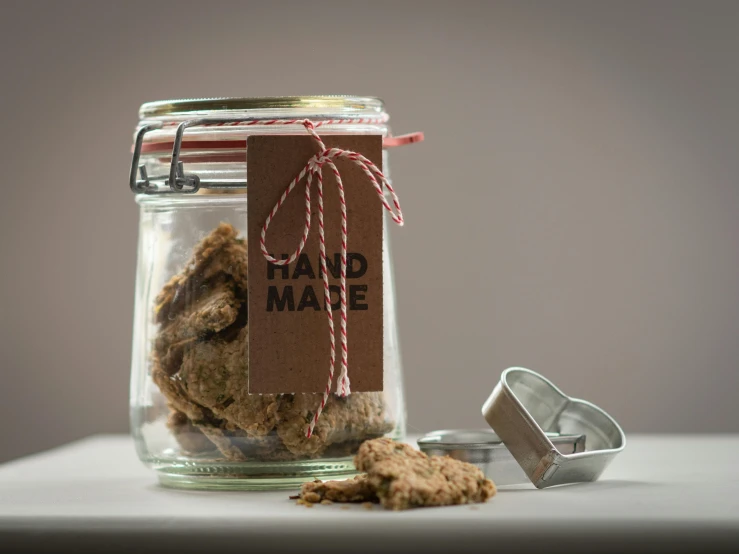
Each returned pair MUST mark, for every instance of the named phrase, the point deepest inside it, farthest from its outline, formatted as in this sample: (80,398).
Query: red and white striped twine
(388,141)
(314,167)
(256,121)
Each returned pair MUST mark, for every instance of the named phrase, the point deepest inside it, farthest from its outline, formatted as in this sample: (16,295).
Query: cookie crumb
(368,505)
(346,507)
(326,502)
(350,490)
(311,497)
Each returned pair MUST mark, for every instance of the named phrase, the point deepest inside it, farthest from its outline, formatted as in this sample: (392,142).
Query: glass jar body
(191,415)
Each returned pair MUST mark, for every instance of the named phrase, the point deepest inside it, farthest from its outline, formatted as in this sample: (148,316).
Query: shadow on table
(608,484)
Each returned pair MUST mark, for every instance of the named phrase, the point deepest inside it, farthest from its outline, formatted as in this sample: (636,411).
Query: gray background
(575,208)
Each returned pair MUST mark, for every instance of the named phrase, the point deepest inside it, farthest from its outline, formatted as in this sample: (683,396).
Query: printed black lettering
(352,273)
(309,300)
(273,299)
(333,268)
(335,304)
(303,267)
(285,269)
(357,295)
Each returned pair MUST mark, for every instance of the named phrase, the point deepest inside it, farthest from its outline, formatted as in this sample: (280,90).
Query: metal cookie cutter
(525,406)
(483,448)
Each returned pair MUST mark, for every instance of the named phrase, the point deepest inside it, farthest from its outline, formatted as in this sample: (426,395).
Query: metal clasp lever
(142,185)
(140,182)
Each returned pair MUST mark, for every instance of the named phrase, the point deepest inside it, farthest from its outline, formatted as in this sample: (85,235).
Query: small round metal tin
(483,448)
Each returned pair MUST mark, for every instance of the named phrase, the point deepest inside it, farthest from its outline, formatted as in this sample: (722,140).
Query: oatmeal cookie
(401,477)
(200,363)
(404,477)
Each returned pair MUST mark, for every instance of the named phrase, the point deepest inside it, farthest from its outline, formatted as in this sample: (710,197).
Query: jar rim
(163,108)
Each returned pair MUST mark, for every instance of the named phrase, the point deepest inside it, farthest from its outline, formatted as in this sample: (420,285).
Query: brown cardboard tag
(289,345)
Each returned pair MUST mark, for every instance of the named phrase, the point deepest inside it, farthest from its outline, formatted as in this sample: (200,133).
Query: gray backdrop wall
(575,208)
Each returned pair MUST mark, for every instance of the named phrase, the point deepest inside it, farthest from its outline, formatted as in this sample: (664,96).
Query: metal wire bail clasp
(178,181)
(141,183)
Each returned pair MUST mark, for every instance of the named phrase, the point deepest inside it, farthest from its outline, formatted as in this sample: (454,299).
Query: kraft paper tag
(289,345)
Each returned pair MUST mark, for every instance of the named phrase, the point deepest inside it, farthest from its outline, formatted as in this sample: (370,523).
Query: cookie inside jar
(200,363)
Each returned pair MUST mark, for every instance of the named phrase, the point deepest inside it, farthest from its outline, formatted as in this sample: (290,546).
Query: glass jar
(192,418)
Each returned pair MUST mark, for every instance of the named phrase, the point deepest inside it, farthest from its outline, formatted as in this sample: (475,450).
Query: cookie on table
(401,477)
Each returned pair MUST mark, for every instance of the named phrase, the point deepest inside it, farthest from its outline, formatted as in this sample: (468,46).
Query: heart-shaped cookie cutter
(524,407)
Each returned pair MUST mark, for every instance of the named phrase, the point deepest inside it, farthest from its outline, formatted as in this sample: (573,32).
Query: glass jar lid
(200,106)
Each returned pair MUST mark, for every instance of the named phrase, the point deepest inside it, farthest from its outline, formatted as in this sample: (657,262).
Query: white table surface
(94,495)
